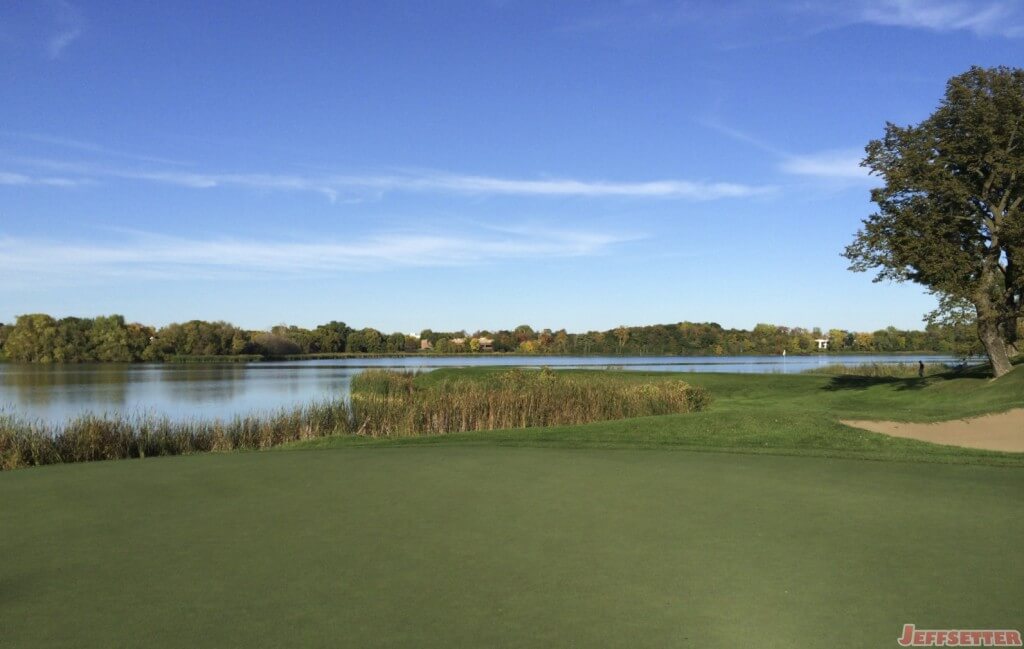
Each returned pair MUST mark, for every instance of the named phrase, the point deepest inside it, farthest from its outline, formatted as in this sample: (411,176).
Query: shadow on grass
(854,382)
(864,382)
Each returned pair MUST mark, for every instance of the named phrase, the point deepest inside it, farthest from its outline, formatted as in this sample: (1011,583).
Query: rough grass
(887,370)
(387,403)
(109,437)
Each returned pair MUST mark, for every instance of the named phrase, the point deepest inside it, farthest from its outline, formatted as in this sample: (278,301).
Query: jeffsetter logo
(913,637)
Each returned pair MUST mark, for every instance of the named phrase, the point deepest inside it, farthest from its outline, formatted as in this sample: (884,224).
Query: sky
(463,165)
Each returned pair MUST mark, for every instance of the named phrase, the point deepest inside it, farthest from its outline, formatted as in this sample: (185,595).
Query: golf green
(480,546)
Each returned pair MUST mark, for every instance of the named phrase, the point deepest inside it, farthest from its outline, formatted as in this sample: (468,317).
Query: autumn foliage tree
(949,213)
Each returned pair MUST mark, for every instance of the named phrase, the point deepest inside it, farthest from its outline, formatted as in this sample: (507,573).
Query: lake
(55,393)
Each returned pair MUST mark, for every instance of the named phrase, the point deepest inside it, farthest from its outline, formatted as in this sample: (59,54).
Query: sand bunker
(1002,432)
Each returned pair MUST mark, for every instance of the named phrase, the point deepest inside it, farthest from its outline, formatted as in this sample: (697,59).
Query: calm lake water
(55,393)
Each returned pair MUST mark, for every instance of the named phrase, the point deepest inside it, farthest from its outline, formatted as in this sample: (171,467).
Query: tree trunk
(991,319)
(1012,337)
(995,346)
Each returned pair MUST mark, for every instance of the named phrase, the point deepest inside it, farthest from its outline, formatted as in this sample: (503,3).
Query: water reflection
(42,385)
(194,384)
(55,393)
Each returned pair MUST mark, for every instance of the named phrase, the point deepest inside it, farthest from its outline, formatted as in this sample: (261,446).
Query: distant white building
(822,343)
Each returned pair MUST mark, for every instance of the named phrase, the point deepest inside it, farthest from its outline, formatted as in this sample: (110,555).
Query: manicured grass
(778,414)
(514,547)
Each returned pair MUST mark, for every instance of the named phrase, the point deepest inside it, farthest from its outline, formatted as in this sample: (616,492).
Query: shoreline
(252,358)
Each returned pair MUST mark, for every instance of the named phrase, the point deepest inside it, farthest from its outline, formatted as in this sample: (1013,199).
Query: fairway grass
(481,546)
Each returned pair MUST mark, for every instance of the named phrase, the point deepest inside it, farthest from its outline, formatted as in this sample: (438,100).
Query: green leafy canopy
(949,212)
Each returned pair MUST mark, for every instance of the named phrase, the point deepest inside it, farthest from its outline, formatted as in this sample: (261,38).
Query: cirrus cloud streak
(841,165)
(145,255)
(335,185)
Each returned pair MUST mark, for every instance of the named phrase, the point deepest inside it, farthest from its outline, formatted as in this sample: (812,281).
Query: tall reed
(880,370)
(383,403)
(92,437)
(387,403)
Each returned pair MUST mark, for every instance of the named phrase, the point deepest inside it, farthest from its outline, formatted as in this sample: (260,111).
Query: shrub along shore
(383,404)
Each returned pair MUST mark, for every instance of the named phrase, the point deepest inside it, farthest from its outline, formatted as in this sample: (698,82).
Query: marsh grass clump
(108,437)
(386,403)
(880,370)
(383,404)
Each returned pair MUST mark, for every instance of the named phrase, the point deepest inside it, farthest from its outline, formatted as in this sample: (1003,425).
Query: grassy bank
(236,358)
(769,414)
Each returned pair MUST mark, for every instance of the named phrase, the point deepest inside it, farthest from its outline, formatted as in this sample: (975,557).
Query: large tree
(949,213)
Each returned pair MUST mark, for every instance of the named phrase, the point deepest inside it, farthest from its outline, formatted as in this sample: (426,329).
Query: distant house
(822,343)
(486,344)
(458,341)
(426,345)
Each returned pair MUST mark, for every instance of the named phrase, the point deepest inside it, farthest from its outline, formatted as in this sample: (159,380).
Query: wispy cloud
(1003,18)
(55,46)
(835,165)
(715,124)
(688,189)
(742,23)
(70,25)
(88,147)
(146,255)
(9,178)
(841,165)
(335,185)
(729,25)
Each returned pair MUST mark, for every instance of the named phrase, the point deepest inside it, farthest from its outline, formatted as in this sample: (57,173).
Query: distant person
(920,369)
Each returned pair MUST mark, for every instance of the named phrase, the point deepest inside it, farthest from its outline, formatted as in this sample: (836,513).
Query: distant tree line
(691,338)
(39,338)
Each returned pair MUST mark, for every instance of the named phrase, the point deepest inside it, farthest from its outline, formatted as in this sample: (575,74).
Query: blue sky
(471,165)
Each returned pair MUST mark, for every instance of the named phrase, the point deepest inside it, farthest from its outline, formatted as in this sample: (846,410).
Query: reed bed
(880,370)
(383,403)
(388,403)
(108,437)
